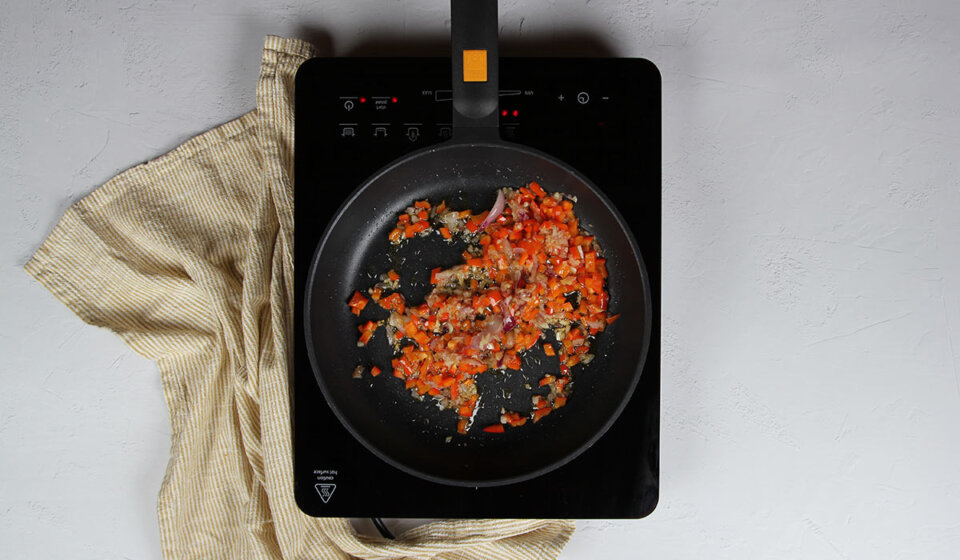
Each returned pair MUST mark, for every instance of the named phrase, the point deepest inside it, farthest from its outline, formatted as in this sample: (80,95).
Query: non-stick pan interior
(415,435)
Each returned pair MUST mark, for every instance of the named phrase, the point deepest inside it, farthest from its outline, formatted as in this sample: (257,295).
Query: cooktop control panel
(420,116)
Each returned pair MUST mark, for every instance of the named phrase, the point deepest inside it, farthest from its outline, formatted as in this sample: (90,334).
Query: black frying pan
(466,171)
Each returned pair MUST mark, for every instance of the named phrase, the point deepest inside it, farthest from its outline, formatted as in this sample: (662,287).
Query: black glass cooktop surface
(355,115)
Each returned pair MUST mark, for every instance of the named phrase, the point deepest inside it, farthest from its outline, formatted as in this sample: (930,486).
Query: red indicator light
(363,100)
(393,99)
(516,113)
(503,113)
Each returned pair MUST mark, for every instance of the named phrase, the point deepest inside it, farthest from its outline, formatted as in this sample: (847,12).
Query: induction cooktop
(355,115)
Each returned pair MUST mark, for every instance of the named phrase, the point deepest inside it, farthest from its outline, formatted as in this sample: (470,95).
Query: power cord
(381,526)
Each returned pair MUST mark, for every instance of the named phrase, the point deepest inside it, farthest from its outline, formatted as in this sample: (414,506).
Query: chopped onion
(495,212)
(509,321)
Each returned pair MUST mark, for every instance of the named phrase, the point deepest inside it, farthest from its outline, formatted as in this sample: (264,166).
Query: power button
(583,98)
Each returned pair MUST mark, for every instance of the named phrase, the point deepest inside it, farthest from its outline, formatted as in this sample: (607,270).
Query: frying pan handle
(476,81)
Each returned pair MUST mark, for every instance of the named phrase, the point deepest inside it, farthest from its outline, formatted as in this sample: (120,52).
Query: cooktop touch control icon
(325,491)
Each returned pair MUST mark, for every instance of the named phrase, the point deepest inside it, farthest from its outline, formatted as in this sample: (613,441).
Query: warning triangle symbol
(325,491)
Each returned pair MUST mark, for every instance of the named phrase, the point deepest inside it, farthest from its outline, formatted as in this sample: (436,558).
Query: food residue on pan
(528,268)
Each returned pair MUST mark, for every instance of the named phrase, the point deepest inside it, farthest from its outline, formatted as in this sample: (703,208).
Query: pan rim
(502,481)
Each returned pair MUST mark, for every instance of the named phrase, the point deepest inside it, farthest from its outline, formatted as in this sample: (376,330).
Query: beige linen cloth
(189,258)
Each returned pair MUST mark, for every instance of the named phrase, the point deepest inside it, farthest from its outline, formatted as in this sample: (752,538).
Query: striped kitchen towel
(189,258)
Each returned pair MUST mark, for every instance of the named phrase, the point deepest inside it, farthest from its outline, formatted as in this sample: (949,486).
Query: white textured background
(811,269)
